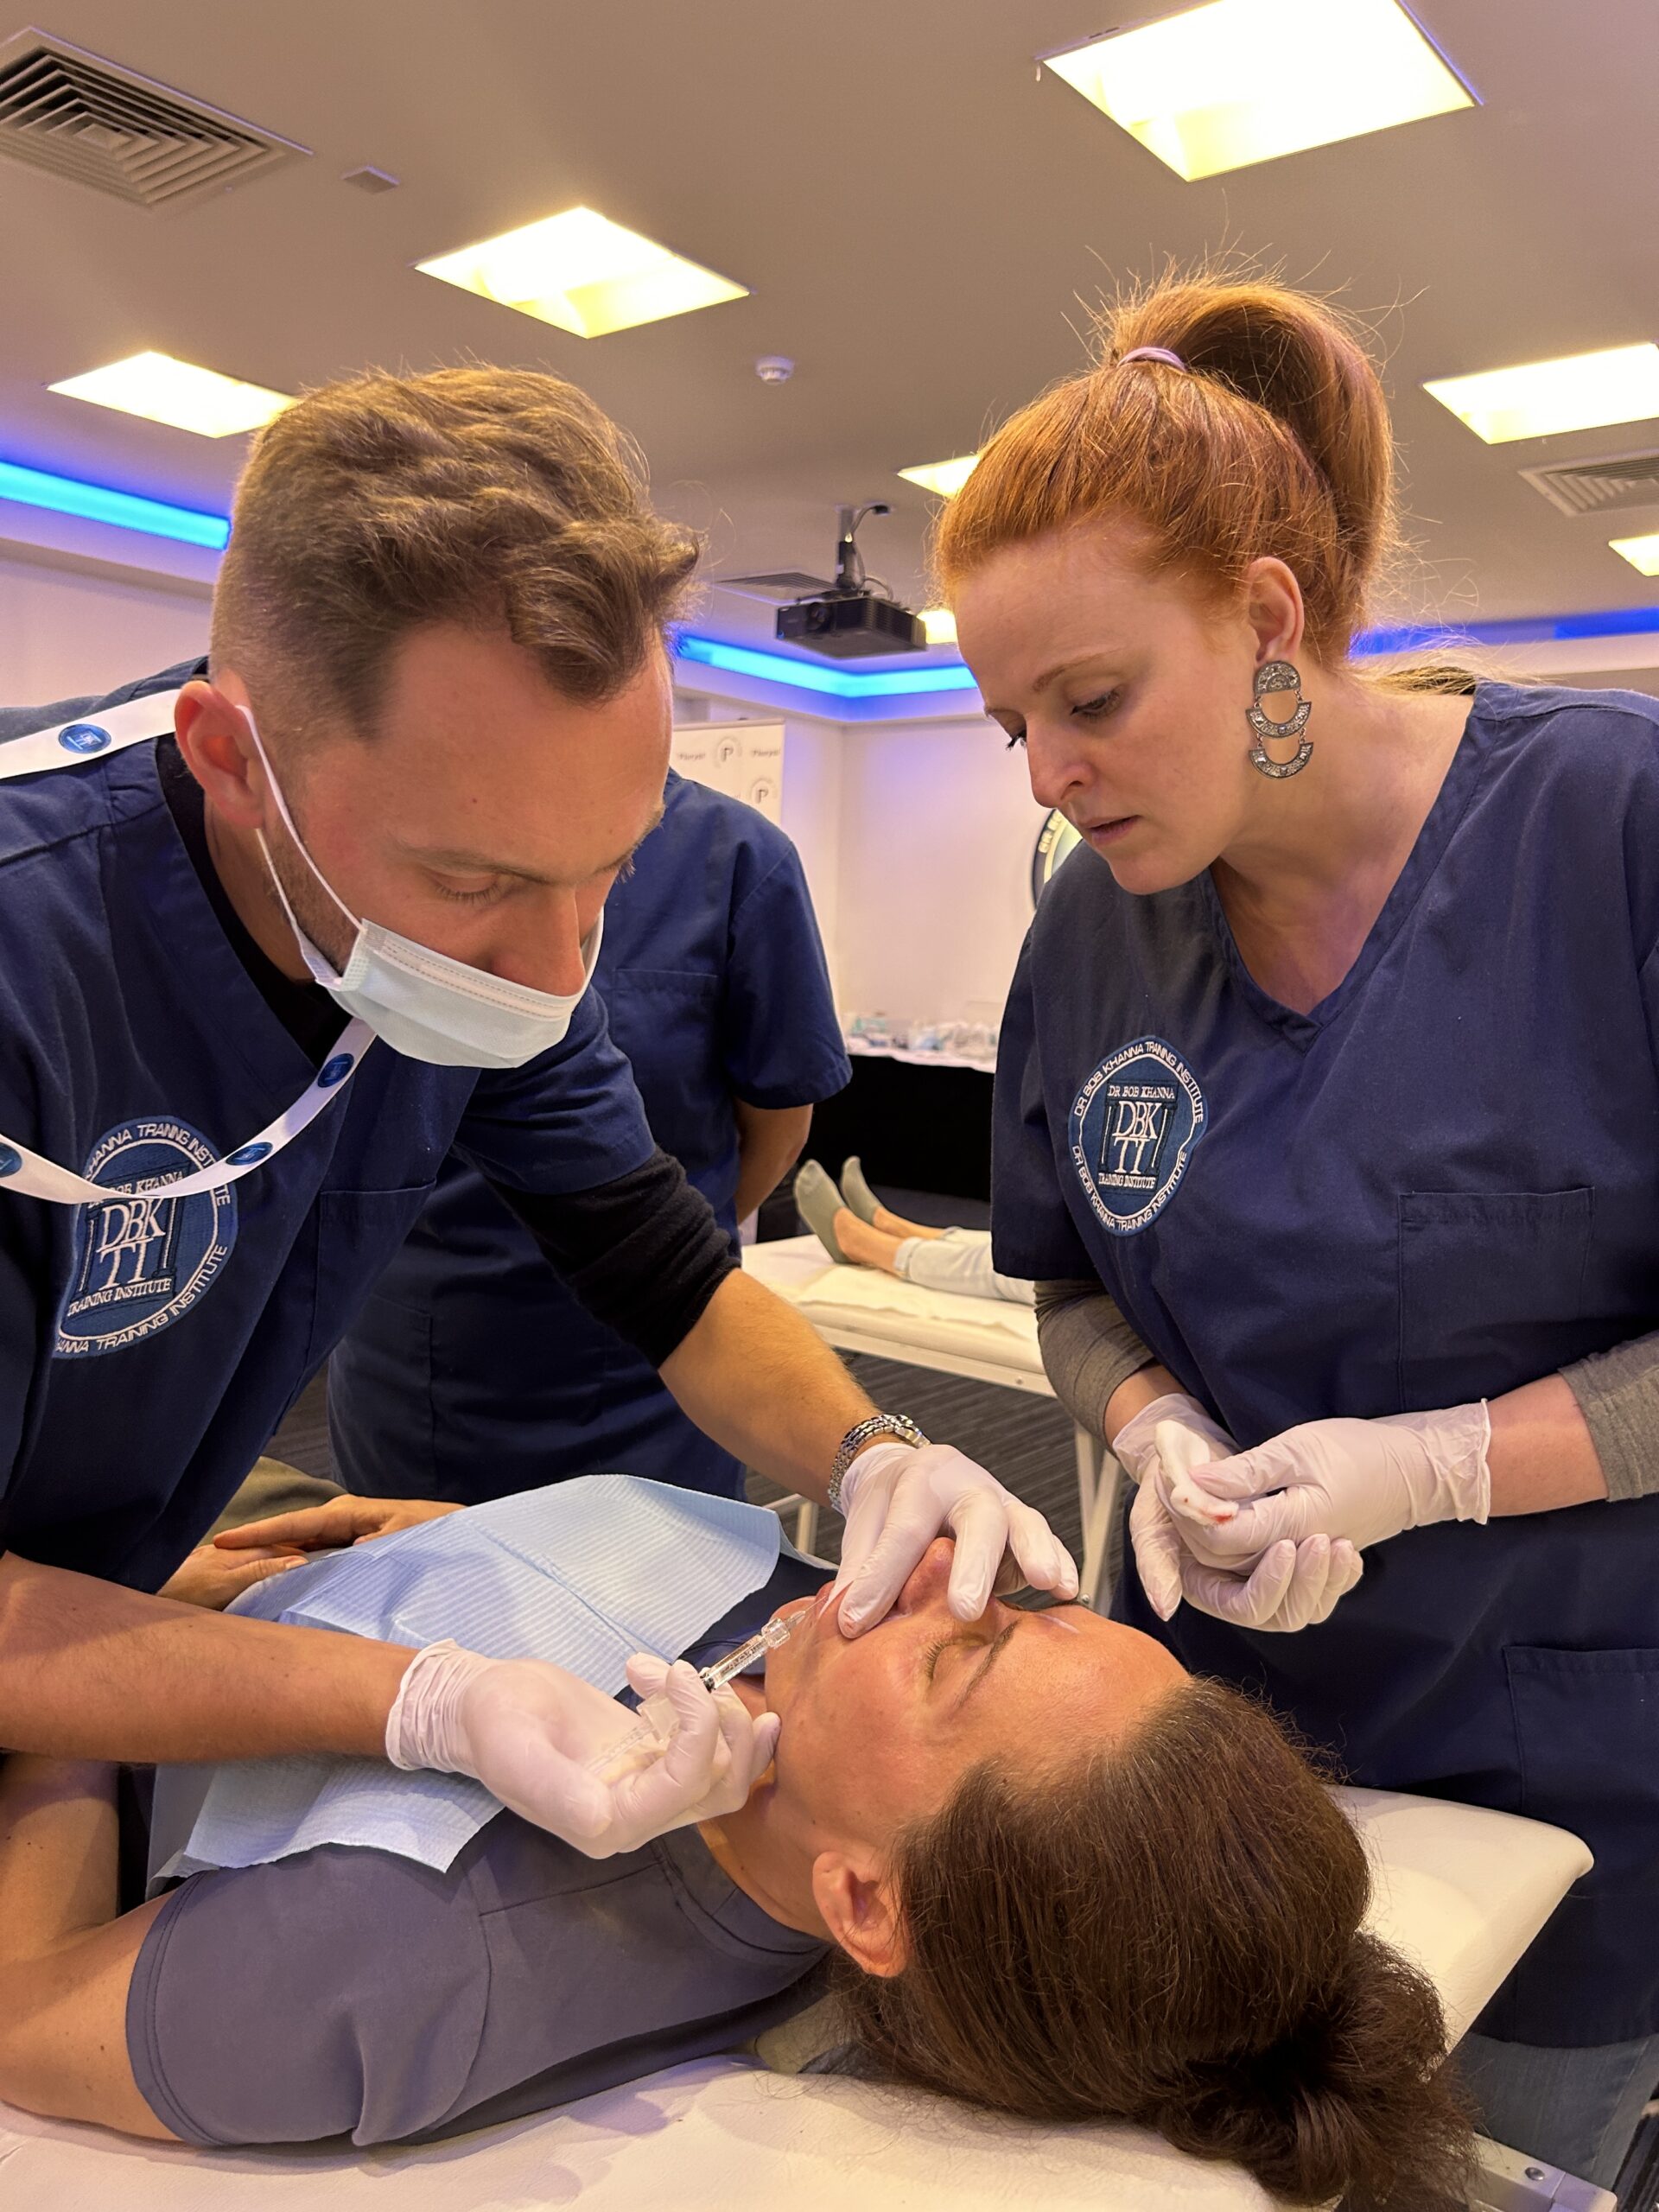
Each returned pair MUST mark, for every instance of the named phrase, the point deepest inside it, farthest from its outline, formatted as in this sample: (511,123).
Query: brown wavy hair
(1169,1935)
(499,499)
(1273,440)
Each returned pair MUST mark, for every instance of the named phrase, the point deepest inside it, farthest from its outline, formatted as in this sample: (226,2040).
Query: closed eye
(1094,709)
(490,892)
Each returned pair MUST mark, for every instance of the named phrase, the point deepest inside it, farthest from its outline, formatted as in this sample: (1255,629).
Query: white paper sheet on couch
(582,1574)
(850,1291)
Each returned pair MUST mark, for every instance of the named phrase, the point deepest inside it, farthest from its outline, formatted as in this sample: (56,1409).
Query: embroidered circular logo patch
(1135,1126)
(83,737)
(142,1260)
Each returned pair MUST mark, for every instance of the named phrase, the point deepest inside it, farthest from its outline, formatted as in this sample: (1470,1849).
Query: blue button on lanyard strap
(71,745)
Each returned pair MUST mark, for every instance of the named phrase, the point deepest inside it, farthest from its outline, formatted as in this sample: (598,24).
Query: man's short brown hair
(496,498)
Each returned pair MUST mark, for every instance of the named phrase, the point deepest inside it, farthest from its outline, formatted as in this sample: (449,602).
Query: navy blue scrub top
(472,1371)
(1441,1183)
(148,1353)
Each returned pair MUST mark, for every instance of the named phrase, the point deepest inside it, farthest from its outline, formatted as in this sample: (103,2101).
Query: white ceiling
(922,221)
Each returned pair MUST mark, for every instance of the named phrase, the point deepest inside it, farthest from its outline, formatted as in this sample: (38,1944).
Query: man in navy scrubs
(282,930)
(471,1371)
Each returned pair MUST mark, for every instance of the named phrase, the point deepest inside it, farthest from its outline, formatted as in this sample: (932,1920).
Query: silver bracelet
(898,1425)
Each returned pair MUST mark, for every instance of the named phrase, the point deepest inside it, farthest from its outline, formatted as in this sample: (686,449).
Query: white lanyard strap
(105,730)
(70,745)
(24,1169)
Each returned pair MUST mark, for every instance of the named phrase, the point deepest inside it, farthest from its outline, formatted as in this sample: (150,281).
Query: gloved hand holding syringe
(658,1720)
(567,1757)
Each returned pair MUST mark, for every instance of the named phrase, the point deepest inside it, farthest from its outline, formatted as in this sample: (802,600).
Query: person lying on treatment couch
(1054,1875)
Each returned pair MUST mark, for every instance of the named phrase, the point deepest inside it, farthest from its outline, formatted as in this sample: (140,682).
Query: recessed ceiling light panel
(178,393)
(1641,552)
(584,274)
(1541,399)
(1239,81)
(944,477)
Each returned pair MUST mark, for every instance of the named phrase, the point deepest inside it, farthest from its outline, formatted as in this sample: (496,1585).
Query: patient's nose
(929,1579)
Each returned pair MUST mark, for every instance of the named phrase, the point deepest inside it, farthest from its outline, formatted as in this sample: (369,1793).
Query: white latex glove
(1359,1482)
(897,1497)
(1282,1587)
(529,1732)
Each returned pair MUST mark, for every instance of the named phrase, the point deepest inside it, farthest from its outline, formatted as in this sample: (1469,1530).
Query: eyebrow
(993,1652)
(1065,667)
(465,862)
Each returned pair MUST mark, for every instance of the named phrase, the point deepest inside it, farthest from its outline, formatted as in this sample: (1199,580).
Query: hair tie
(1151,353)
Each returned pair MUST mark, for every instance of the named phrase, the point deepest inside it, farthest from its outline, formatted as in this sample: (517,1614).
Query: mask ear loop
(287,821)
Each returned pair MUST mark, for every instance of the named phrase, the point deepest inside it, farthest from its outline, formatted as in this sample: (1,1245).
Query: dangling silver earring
(1279,675)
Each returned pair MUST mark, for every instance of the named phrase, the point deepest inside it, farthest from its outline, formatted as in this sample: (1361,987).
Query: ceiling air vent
(1586,487)
(79,117)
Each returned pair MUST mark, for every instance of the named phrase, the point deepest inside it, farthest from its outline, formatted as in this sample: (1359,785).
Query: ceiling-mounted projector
(850,618)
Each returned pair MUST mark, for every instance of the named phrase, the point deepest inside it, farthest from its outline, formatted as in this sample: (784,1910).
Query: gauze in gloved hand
(897,1497)
(1283,1586)
(529,1731)
(1360,1482)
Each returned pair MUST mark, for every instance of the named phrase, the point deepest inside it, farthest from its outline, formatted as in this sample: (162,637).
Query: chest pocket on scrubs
(1487,1280)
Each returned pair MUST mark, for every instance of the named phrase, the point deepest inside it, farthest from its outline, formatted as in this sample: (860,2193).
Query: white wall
(916,838)
(937,830)
(814,782)
(65,633)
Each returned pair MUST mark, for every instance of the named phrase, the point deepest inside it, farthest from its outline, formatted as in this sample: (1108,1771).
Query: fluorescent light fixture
(163,390)
(1238,81)
(834,683)
(67,495)
(1641,552)
(582,273)
(944,477)
(940,624)
(1580,392)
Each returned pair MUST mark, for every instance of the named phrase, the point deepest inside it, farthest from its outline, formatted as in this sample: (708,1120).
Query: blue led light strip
(67,495)
(911,682)
(834,683)
(1520,630)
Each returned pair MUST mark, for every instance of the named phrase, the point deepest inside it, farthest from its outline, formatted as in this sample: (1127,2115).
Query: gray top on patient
(348,1992)
(351,1992)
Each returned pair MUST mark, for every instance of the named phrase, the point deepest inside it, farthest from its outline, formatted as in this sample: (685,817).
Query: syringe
(659,1719)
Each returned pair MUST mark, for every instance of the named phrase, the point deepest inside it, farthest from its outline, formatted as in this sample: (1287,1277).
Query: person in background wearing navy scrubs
(284,928)
(1327,1121)
(472,1371)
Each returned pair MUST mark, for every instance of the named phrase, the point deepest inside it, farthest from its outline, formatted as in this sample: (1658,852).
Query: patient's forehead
(1100,1675)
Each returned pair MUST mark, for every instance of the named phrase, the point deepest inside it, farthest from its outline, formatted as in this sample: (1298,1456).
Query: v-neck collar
(197,949)
(1457,788)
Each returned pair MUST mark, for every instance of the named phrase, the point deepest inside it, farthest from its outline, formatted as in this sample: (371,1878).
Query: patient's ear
(858,1901)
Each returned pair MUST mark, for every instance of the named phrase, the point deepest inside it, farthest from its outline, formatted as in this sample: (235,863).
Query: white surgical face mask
(422,1003)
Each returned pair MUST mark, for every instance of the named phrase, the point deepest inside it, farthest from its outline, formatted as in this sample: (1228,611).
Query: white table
(986,1341)
(1462,1892)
